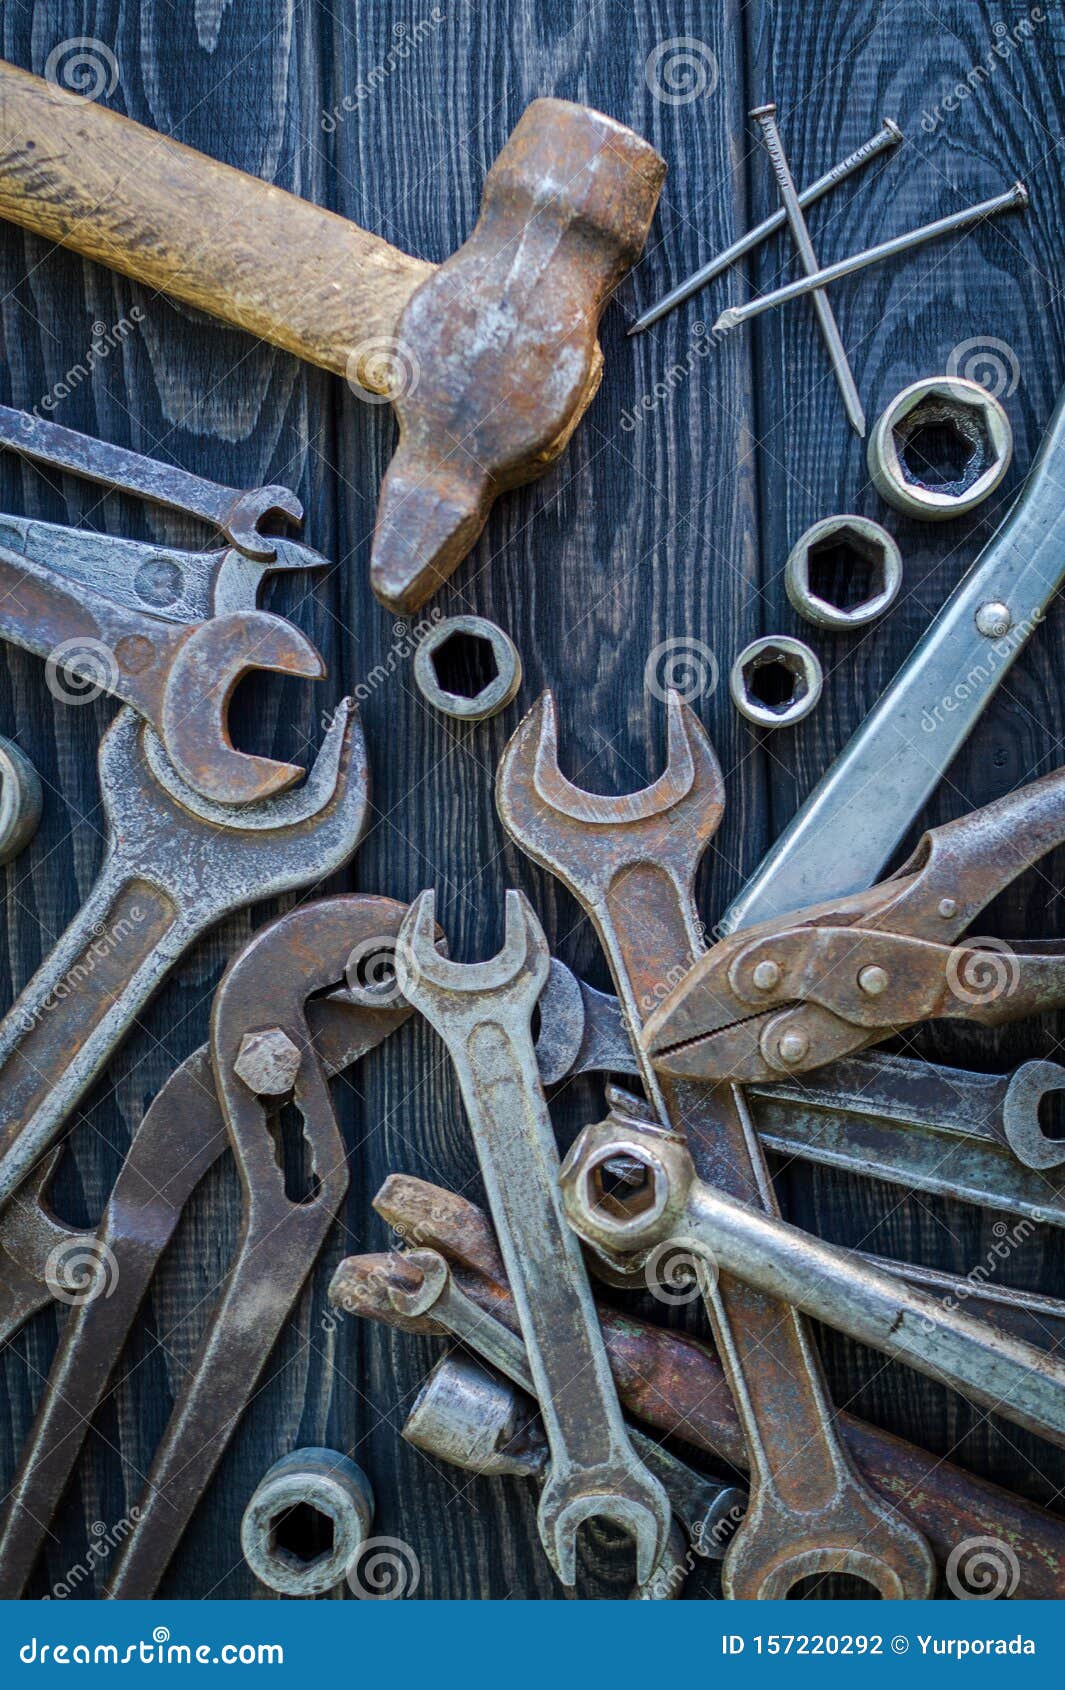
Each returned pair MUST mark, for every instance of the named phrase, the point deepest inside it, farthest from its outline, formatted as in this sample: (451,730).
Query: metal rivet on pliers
(766,975)
(873,980)
(792,1048)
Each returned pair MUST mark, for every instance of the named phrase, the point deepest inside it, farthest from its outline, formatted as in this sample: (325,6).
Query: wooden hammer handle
(215,237)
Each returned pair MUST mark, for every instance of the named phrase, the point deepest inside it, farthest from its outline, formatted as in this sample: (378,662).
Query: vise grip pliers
(824,982)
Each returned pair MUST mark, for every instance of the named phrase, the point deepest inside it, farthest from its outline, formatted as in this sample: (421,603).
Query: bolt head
(268,1062)
(766,974)
(873,980)
(792,1048)
(994,619)
(948,907)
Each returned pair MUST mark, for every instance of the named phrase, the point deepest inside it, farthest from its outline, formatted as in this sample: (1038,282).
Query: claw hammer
(490,359)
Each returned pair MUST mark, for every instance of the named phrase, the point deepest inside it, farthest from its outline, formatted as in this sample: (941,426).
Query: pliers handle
(824,982)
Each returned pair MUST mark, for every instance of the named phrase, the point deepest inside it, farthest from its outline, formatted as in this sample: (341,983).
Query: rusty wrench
(179,676)
(182,1134)
(483,1012)
(175,865)
(266,986)
(630,863)
(235,513)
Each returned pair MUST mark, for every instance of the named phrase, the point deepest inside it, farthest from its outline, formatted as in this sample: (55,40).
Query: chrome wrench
(483,1012)
(843,835)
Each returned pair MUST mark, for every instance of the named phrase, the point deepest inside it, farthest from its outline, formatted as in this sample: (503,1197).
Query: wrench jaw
(202,679)
(437,986)
(762,1564)
(550,818)
(243,521)
(561,1515)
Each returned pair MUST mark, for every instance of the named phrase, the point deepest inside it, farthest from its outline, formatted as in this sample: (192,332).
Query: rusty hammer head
(496,352)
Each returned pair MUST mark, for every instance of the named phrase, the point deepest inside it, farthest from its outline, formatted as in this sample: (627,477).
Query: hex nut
(868,541)
(267,1062)
(793,656)
(326,1483)
(491,698)
(973,413)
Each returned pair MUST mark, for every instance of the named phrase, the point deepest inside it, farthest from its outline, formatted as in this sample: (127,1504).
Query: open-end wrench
(670,1205)
(181,1136)
(423,1285)
(166,581)
(673,1382)
(178,675)
(471,1417)
(175,865)
(237,514)
(630,862)
(265,989)
(477,1418)
(483,1012)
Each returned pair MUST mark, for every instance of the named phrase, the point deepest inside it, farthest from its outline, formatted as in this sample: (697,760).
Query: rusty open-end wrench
(630,862)
(181,1136)
(483,1012)
(179,676)
(265,989)
(175,865)
(235,512)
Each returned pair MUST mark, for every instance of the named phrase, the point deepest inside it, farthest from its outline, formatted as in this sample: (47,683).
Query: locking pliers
(818,984)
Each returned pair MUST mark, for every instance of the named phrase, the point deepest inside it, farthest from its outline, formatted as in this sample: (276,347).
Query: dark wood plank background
(677,526)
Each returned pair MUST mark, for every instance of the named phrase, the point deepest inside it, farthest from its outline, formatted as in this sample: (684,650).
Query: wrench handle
(219,239)
(1005,1374)
(59,1034)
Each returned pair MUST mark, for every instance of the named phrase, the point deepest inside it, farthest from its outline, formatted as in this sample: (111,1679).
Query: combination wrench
(669,1205)
(175,865)
(483,1012)
(630,862)
(182,1134)
(237,514)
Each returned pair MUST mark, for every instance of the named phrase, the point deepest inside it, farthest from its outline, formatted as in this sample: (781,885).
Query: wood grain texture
(669,518)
